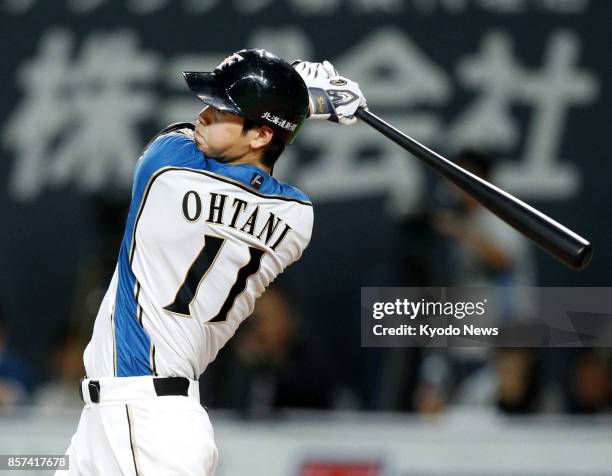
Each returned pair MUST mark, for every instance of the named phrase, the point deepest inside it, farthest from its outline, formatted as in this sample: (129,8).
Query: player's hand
(332,97)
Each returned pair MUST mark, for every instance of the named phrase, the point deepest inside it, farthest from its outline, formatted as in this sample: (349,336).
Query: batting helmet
(256,85)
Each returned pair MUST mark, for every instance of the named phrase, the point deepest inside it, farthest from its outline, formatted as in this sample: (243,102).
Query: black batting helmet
(256,85)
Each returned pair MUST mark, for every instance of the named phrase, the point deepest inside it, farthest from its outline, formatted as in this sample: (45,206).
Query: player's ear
(262,137)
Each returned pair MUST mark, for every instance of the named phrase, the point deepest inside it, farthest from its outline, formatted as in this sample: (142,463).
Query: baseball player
(208,229)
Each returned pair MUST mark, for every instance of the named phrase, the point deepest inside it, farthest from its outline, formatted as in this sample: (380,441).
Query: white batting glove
(332,97)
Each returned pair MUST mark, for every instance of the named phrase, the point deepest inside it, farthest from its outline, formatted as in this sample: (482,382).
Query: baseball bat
(561,242)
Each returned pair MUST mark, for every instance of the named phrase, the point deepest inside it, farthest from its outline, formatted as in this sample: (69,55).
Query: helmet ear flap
(256,85)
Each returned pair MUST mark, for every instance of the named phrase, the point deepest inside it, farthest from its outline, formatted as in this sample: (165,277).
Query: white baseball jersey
(203,240)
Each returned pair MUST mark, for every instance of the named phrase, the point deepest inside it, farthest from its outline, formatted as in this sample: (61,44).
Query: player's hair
(273,150)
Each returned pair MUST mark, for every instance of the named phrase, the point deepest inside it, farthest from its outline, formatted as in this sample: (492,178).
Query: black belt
(163,386)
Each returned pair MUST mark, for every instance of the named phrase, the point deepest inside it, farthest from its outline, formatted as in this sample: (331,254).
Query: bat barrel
(559,241)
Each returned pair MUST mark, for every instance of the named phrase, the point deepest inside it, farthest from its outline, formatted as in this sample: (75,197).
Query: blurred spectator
(66,370)
(15,380)
(478,249)
(591,382)
(483,249)
(268,367)
(431,394)
(518,380)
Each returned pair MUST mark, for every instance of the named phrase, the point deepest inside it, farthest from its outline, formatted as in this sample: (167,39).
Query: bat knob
(583,257)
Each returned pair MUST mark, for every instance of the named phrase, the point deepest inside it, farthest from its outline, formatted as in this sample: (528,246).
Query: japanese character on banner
(86,100)
(549,91)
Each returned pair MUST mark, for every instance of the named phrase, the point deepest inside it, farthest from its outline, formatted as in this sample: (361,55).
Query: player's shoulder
(254,180)
(173,146)
(290,191)
(177,134)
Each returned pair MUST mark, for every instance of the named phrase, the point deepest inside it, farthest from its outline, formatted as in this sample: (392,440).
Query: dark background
(59,243)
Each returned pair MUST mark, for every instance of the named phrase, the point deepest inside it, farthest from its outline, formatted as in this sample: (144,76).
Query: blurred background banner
(517,91)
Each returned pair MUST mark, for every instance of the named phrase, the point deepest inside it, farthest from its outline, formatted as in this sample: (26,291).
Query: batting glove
(332,97)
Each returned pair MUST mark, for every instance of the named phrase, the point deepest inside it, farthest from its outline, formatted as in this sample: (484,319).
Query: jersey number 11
(200,267)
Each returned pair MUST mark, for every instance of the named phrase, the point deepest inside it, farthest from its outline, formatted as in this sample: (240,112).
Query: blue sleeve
(168,150)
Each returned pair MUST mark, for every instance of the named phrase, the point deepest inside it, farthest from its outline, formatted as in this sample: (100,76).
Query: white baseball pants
(133,431)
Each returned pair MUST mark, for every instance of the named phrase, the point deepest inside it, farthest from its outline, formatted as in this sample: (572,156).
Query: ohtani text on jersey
(232,212)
